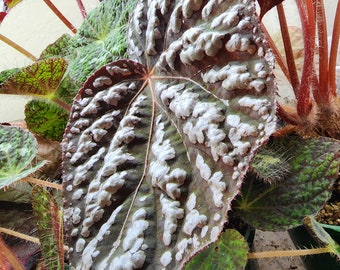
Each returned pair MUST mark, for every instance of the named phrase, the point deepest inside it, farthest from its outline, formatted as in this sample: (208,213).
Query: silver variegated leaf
(156,147)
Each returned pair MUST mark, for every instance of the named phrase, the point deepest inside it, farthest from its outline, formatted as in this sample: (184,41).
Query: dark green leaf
(228,252)
(46,119)
(60,48)
(102,38)
(314,165)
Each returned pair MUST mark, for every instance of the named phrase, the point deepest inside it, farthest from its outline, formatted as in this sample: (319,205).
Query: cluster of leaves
(165,127)
(64,66)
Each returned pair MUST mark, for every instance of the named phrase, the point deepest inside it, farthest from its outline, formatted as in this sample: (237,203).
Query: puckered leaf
(313,168)
(17,150)
(229,252)
(156,150)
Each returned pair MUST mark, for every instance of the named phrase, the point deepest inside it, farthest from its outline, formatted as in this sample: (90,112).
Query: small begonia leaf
(228,252)
(302,190)
(41,79)
(318,232)
(17,150)
(46,119)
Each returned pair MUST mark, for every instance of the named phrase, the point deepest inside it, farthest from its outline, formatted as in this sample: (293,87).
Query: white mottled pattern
(171,212)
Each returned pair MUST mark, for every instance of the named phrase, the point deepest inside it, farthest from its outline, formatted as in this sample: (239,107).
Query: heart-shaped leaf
(17,150)
(313,168)
(156,150)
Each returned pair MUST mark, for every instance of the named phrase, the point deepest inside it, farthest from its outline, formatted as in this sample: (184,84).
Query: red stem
(62,104)
(287,114)
(333,54)
(293,76)
(18,47)
(306,11)
(82,8)
(321,95)
(278,57)
(60,16)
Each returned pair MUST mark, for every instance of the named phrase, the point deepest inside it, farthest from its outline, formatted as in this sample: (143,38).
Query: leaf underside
(313,168)
(17,150)
(317,231)
(156,147)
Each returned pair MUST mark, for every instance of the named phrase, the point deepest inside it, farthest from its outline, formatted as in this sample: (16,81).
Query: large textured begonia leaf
(17,150)
(156,147)
(101,38)
(46,119)
(303,189)
(40,79)
(228,252)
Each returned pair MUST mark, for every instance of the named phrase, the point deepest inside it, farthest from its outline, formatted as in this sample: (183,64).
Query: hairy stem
(17,47)
(304,103)
(60,16)
(62,104)
(287,114)
(293,76)
(287,253)
(278,57)
(20,235)
(333,53)
(321,95)
(11,258)
(42,182)
(82,8)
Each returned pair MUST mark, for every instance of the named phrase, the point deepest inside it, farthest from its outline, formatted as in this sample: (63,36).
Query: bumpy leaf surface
(17,150)
(156,147)
(313,168)
(229,252)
